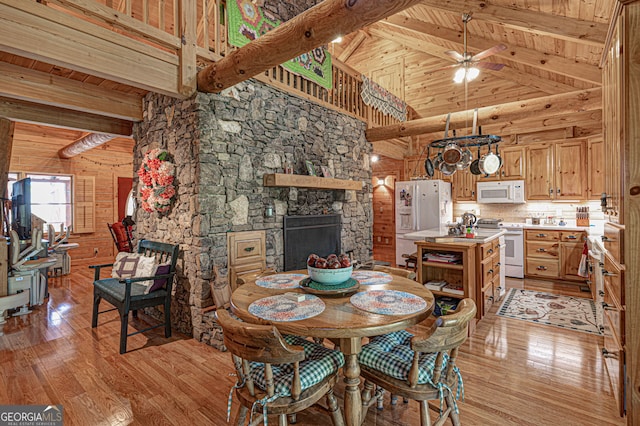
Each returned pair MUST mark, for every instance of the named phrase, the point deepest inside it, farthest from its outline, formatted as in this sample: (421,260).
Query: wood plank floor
(515,372)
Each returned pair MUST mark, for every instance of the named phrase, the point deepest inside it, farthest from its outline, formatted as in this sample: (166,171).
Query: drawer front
(542,235)
(615,315)
(487,300)
(573,236)
(614,278)
(613,354)
(542,267)
(487,250)
(488,272)
(246,247)
(496,266)
(613,239)
(543,250)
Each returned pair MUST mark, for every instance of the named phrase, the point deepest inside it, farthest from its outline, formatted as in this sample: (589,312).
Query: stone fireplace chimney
(223,144)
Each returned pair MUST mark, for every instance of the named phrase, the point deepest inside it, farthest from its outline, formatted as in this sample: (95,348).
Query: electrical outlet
(95,250)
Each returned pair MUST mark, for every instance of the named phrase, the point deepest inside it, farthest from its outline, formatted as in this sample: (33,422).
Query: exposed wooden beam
(6,144)
(84,144)
(352,46)
(39,87)
(533,58)
(529,21)
(29,112)
(582,100)
(312,28)
(42,33)
(507,73)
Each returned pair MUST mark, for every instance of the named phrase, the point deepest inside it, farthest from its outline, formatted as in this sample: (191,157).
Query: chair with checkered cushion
(132,293)
(422,366)
(278,375)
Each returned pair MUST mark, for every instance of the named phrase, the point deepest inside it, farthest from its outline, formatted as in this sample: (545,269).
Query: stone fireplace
(222,145)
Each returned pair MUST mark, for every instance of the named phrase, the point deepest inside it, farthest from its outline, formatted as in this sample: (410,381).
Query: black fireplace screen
(304,235)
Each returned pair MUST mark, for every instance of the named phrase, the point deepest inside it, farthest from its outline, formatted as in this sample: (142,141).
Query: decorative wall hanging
(380,98)
(157,174)
(248,21)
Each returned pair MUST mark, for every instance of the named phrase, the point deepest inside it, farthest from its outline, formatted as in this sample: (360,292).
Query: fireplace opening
(303,235)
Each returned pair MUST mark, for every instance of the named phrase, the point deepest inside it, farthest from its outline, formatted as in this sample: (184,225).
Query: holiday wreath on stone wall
(157,174)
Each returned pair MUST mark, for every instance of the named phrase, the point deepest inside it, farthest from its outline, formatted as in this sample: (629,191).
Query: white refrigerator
(420,205)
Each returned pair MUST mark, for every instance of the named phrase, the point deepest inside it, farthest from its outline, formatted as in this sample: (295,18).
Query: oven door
(514,254)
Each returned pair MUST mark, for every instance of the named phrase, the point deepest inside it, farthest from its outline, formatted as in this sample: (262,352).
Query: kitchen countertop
(595,229)
(440,235)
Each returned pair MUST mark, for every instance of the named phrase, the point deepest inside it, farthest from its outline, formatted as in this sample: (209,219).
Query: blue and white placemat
(281,308)
(280,281)
(371,277)
(388,302)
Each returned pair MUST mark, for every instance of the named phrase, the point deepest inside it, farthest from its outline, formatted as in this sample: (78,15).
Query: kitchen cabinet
(463,186)
(513,162)
(488,280)
(596,168)
(553,254)
(556,171)
(246,253)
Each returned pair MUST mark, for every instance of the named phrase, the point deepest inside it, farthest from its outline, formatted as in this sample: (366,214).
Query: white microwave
(504,191)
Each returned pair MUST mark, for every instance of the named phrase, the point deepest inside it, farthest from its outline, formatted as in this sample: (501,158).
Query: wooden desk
(342,321)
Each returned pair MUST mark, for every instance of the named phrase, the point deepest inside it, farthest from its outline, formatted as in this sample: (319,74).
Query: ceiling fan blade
(443,68)
(489,52)
(455,55)
(488,66)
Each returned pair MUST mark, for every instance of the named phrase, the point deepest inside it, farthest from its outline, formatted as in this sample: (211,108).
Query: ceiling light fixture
(337,40)
(466,73)
(374,158)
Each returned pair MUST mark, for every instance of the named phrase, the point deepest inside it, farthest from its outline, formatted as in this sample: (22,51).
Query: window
(51,198)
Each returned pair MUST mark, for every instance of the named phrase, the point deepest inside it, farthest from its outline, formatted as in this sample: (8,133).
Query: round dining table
(343,323)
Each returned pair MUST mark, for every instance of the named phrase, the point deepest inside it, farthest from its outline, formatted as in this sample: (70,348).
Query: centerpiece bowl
(330,276)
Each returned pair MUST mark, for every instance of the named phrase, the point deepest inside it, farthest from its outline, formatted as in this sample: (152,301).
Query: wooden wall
(384,241)
(35,149)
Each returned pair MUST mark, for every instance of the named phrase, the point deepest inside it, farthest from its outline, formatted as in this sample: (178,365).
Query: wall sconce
(380,181)
(269,209)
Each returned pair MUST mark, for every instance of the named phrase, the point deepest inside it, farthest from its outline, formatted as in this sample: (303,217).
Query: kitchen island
(470,266)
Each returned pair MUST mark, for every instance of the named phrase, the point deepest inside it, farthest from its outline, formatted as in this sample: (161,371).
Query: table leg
(352,399)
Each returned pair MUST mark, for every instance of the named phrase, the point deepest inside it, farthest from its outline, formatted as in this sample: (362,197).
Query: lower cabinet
(554,254)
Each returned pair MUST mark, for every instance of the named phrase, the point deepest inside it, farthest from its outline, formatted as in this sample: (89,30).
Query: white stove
(514,250)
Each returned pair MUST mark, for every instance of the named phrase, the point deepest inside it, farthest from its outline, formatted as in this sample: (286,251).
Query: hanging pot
(465,161)
(489,163)
(428,164)
(474,168)
(452,154)
(447,169)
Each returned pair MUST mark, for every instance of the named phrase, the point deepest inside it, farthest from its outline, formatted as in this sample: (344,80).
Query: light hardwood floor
(515,372)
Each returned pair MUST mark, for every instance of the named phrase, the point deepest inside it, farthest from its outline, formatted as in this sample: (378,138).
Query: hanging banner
(380,98)
(248,21)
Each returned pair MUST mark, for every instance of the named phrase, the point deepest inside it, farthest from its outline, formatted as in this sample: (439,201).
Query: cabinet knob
(541,235)
(550,191)
(491,271)
(604,238)
(490,298)
(601,328)
(541,250)
(558,191)
(606,273)
(571,237)
(601,293)
(607,354)
(490,251)
(608,307)
(541,268)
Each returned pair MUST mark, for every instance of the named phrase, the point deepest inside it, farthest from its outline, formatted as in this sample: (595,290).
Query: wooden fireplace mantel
(314,182)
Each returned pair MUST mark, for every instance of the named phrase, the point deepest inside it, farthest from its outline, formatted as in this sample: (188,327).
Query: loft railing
(166,24)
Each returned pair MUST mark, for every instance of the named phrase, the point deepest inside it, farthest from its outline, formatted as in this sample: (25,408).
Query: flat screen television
(21,208)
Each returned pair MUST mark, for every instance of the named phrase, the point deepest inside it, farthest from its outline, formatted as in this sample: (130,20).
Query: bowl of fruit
(330,271)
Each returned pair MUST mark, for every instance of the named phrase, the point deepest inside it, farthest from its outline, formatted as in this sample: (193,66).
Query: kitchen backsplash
(520,212)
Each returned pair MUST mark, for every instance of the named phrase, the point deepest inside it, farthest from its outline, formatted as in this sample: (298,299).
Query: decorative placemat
(310,286)
(371,277)
(388,302)
(281,308)
(280,281)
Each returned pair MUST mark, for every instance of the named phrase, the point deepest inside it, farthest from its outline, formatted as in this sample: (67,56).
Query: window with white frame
(51,198)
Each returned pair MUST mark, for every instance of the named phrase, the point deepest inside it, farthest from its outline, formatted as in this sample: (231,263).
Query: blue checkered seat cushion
(319,363)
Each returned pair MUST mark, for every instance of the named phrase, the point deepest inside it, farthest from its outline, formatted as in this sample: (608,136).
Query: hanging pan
(474,168)
(489,163)
(428,164)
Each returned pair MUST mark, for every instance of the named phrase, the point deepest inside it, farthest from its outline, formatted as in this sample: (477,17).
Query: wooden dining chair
(422,366)
(282,375)
(404,273)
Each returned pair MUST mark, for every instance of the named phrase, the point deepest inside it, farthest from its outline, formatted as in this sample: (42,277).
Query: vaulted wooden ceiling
(553,47)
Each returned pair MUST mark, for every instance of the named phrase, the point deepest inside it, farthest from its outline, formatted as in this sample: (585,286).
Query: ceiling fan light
(459,75)
(472,73)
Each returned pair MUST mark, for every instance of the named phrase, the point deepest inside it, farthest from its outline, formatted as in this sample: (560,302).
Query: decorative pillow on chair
(158,283)
(133,265)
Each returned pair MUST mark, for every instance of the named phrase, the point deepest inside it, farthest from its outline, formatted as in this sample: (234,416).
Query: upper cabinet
(513,162)
(557,171)
(539,175)
(596,169)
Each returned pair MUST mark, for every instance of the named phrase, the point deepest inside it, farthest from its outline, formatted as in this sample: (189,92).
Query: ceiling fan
(468,64)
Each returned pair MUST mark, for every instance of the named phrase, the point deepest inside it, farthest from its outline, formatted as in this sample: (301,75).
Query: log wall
(35,150)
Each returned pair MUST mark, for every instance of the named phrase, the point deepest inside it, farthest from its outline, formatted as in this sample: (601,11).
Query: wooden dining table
(343,323)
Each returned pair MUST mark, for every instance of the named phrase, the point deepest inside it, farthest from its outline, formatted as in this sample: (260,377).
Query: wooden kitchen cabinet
(595,169)
(463,186)
(557,171)
(246,253)
(553,254)
(513,162)
(488,280)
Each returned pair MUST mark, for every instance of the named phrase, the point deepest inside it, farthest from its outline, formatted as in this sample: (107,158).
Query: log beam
(86,143)
(312,28)
(577,101)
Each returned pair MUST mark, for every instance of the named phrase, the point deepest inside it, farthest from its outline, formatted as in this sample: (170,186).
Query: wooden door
(463,186)
(539,172)
(571,170)
(595,169)
(570,256)
(384,228)
(513,162)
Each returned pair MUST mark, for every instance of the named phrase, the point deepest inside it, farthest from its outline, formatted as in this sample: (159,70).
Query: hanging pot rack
(466,141)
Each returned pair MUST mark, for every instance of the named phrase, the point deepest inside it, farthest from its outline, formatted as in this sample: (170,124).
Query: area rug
(572,313)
